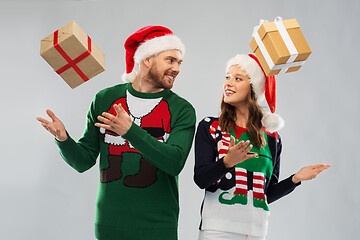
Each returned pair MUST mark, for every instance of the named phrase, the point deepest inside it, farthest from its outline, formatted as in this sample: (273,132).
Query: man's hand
(238,153)
(119,124)
(309,172)
(56,127)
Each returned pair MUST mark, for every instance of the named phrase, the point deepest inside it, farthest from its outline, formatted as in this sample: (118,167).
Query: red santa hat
(262,85)
(146,42)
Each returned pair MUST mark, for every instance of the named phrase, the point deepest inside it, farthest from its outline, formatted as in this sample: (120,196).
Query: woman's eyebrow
(242,75)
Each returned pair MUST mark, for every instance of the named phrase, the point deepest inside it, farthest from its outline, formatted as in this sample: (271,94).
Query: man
(143,132)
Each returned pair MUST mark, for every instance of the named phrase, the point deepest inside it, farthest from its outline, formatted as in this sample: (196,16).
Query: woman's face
(236,86)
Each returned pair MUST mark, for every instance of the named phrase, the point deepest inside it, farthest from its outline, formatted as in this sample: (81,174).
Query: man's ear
(148,61)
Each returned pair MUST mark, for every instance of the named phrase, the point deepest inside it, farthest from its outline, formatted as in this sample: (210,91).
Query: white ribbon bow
(287,40)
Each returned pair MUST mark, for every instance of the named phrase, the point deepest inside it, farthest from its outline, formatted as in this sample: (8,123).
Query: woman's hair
(228,117)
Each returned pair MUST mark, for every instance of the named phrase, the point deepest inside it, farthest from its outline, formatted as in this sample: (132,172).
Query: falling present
(72,54)
(280,46)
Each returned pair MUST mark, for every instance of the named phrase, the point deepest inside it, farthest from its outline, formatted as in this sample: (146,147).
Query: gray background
(43,198)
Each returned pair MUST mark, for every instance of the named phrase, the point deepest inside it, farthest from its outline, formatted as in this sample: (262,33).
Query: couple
(144,132)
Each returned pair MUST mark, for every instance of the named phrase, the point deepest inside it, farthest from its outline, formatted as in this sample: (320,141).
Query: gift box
(280,46)
(72,54)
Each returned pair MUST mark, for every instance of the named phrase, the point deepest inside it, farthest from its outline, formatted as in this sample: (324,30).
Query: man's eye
(227,78)
(171,60)
(238,79)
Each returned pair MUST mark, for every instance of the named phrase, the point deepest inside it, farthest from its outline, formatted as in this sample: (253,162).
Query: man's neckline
(136,93)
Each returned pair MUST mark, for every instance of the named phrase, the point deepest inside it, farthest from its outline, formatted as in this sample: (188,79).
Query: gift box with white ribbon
(72,54)
(280,46)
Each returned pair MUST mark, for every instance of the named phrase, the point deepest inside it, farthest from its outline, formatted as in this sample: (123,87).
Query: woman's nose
(228,82)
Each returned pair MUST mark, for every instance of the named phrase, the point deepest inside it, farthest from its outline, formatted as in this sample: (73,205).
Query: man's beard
(157,79)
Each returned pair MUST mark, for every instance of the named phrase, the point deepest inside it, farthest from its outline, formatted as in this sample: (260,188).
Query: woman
(237,157)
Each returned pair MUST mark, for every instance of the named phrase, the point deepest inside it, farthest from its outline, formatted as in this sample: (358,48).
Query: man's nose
(175,68)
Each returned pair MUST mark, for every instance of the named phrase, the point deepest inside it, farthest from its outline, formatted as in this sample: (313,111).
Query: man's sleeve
(170,156)
(82,155)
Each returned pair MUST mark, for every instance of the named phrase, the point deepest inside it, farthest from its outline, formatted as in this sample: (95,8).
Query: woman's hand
(119,124)
(237,153)
(309,172)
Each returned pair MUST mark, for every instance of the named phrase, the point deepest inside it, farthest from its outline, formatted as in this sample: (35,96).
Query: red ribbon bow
(71,63)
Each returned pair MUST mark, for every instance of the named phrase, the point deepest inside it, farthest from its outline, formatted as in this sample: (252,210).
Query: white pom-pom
(272,122)
(129,77)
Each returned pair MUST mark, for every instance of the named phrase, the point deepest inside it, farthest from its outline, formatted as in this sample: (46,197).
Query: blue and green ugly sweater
(236,200)
(138,188)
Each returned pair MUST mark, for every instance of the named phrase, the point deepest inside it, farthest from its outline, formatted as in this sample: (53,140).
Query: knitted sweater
(236,200)
(138,190)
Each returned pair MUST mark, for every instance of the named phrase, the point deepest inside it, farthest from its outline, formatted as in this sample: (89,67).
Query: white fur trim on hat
(129,77)
(157,45)
(254,72)
(152,47)
(272,122)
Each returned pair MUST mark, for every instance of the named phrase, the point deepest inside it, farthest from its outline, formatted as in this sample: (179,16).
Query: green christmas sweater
(138,190)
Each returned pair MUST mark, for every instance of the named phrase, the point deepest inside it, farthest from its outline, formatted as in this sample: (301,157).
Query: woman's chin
(228,102)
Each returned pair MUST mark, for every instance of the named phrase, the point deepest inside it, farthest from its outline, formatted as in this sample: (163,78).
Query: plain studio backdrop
(44,198)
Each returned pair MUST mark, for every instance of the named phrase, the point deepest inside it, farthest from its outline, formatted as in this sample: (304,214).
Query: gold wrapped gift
(280,46)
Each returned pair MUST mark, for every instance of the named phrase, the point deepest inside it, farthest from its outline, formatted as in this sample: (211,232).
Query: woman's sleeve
(276,189)
(207,170)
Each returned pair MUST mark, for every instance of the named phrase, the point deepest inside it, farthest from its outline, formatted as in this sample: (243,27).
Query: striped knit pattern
(223,145)
(258,185)
(240,181)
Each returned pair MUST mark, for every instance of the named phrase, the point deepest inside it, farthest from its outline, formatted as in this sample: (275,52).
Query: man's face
(164,69)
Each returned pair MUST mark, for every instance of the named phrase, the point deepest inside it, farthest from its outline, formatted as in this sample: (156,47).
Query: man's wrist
(62,137)
(126,130)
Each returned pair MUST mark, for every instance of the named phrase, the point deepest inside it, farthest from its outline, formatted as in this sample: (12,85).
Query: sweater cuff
(64,143)
(292,183)
(132,132)
(222,168)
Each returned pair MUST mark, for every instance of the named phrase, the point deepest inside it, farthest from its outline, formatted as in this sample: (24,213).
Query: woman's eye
(227,78)
(238,79)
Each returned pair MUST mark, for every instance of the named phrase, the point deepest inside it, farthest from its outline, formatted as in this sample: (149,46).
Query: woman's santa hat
(262,85)
(146,42)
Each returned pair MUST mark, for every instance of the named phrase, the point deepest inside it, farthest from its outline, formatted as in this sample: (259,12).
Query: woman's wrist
(226,162)
(295,179)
